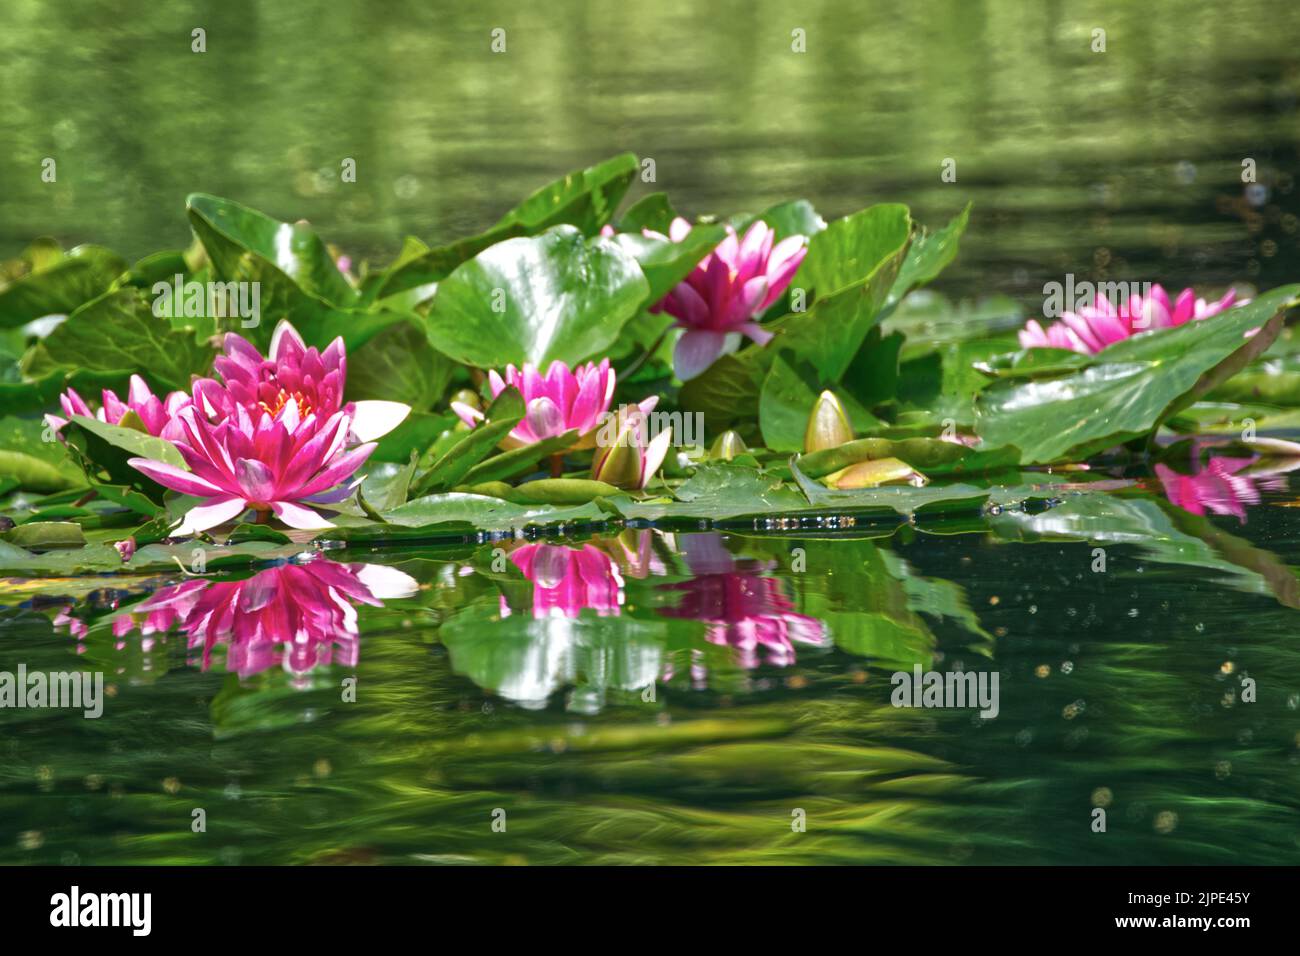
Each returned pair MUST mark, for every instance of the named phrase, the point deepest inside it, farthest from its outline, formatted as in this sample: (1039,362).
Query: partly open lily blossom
(277,465)
(726,293)
(1094,327)
(561,400)
(291,375)
(152,412)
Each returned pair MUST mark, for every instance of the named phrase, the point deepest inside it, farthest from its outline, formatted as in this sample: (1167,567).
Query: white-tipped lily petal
(373,418)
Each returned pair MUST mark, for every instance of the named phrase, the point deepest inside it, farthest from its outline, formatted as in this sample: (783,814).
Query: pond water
(1125,164)
(704,697)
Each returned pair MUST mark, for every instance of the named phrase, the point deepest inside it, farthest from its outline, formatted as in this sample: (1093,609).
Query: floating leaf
(458,510)
(243,243)
(653,212)
(398,365)
(137,443)
(37,464)
(565,491)
(664,263)
(44,535)
(33,474)
(510,463)
(875,472)
(930,254)
(849,250)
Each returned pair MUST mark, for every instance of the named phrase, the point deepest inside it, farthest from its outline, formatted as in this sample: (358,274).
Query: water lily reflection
(297,616)
(566,580)
(1223,485)
(568,639)
(744,607)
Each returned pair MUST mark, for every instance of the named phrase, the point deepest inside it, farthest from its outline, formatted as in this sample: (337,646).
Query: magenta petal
(745,306)
(695,351)
(467,413)
(1032,335)
(169,476)
(340,468)
(255,480)
(589,404)
(242,354)
(1080,327)
(544,418)
(139,392)
(691,307)
(296,516)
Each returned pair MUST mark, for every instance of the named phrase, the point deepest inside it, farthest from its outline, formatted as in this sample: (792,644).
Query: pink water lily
(154,413)
(298,616)
(1094,327)
(561,400)
(727,291)
(291,375)
(268,464)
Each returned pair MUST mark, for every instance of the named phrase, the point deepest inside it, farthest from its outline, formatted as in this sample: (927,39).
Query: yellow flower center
(274,409)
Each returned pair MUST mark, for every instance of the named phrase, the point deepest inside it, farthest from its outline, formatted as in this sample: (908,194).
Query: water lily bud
(828,425)
(467,396)
(125,548)
(132,420)
(631,458)
(875,472)
(727,446)
(468,408)
(621,465)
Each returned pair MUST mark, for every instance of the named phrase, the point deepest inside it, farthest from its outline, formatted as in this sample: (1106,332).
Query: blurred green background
(1122,164)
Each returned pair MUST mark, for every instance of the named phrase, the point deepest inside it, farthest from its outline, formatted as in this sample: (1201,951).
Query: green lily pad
(1130,387)
(586,199)
(555,296)
(118,330)
(60,287)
